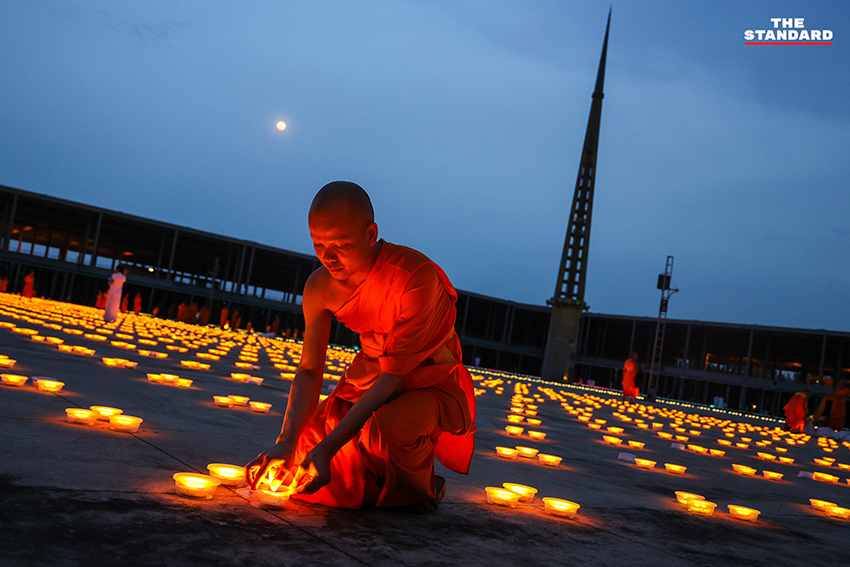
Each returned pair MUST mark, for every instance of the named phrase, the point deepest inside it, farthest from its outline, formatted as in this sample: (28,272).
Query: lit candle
(513,430)
(527,452)
(742,445)
(507,453)
(549,460)
(537,435)
(105,412)
(560,507)
(665,435)
(195,485)
(260,407)
(615,430)
(769,475)
(184,383)
(724,442)
(611,440)
(263,498)
(786,460)
(823,462)
(534,422)
(125,423)
(515,418)
(526,493)
(744,470)
(223,401)
(154,377)
(823,477)
(594,426)
(682,438)
(239,377)
(239,400)
(742,513)
(685,497)
(645,464)
(820,504)
(675,469)
(716,452)
(13,379)
(637,444)
(501,496)
(701,507)
(229,475)
(766,456)
(48,385)
(77,415)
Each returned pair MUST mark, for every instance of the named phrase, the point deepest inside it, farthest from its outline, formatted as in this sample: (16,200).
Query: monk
(29,285)
(630,370)
(137,303)
(796,410)
(838,410)
(406,397)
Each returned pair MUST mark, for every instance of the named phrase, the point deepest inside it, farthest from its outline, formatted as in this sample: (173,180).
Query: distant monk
(838,411)
(29,285)
(795,411)
(100,301)
(630,370)
(405,398)
(113,296)
(125,304)
(137,303)
(204,316)
(223,319)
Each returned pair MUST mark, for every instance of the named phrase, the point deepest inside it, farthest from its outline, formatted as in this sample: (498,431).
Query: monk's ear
(372,234)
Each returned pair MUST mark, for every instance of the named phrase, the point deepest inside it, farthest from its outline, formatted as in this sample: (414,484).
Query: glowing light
(744,470)
(223,401)
(507,453)
(281,125)
(742,513)
(837,512)
(527,452)
(105,412)
(537,435)
(526,493)
(645,464)
(513,430)
(229,475)
(549,460)
(560,507)
(125,423)
(13,380)
(260,407)
(675,469)
(769,475)
(701,507)
(820,504)
(501,496)
(77,415)
(685,497)
(823,477)
(611,440)
(195,485)
(239,400)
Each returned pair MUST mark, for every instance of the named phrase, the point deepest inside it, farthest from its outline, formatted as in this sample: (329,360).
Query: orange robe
(630,370)
(795,412)
(29,286)
(838,412)
(405,317)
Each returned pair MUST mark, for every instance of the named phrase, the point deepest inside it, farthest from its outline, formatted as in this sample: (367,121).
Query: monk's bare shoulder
(323,292)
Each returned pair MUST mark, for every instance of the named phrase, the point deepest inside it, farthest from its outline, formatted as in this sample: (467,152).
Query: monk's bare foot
(427,506)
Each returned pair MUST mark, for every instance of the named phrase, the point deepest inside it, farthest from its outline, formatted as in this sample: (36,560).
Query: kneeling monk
(405,398)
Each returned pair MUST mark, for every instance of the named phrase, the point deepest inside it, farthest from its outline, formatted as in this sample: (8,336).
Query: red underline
(787,43)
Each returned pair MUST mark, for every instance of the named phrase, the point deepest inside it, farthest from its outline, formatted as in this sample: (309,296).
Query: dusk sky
(464,120)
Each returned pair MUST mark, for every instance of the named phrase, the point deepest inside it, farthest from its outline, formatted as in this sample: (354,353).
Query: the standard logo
(788,31)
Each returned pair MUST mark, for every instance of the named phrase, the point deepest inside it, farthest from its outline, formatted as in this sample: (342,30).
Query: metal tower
(568,301)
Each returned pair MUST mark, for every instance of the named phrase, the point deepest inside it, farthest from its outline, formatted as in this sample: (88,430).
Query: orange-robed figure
(795,412)
(405,398)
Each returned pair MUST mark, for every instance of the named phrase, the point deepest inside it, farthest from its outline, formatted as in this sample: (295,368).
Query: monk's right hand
(276,459)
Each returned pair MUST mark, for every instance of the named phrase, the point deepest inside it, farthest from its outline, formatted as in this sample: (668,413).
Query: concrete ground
(87,495)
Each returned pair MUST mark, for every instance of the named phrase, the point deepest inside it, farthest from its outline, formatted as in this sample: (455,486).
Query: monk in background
(630,370)
(838,410)
(796,411)
(406,397)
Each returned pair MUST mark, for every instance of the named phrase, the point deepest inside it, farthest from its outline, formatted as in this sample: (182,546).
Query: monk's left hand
(314,472)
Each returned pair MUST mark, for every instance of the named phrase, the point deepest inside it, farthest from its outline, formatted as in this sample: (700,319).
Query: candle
(657,425)
(675,469)
(184,383)
(645,464)
(239,377)
(48,385)
(501,496)
(742,445)
(78,415)
(549,460)
(837,512)
(560,507)
(665,435)
(701,507)
(155,377)
(514,431)
(594,426)
(125,423)
(823,477)
(195,485)
(744,470)
(698,449)
(534,422)
(507,453)
(239,400)
(769,475)
(823,462)
(260,407)
(742,513)
(526,493)
(229,475)
(615,430)
(223,401)
(537,435)
(515,418)
(611,440)
(105,412)
(7,362)
(843,466)
(682,438)
(820,504)
(724,442)
(786,460)
(637,444)
(685,497)
(13,379)
(263,498)
(527,452)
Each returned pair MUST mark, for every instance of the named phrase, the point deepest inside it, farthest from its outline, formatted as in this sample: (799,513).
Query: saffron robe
(113,296)
(29,286)
(405,318)
(630,370)
(795,412)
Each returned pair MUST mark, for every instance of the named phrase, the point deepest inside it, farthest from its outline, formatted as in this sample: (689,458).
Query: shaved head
(344,200)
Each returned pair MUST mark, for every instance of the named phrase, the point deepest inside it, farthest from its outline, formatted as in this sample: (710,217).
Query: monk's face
(343,243)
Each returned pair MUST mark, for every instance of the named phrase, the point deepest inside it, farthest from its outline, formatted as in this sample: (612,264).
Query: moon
(281,125)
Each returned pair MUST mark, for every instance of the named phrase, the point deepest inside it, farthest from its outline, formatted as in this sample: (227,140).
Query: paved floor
(87,495)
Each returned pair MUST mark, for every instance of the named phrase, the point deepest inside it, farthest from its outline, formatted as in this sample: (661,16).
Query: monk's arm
(306,386)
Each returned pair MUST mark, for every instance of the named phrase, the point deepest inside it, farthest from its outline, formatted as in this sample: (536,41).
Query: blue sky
(464,121)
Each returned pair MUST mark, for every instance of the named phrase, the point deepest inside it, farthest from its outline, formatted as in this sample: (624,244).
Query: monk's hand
(270,466)
(314,472)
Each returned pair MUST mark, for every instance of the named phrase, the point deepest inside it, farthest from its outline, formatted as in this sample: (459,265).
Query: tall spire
(568,301)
